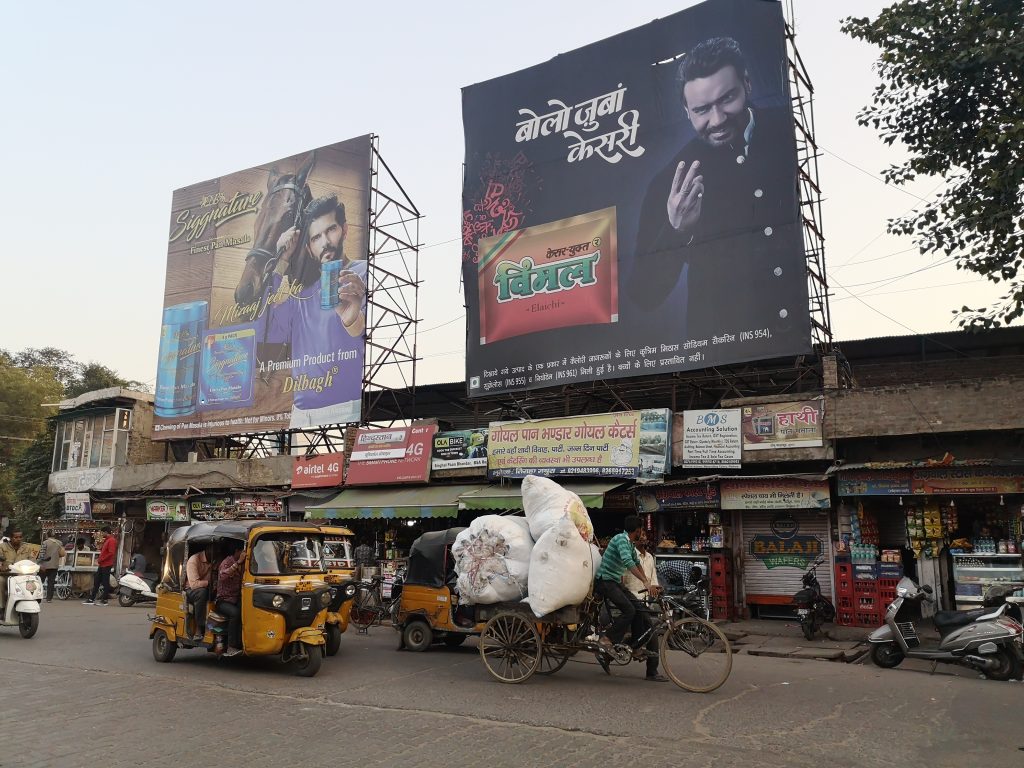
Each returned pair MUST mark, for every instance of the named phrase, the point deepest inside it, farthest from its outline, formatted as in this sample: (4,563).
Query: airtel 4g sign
(391,456)
(324,471)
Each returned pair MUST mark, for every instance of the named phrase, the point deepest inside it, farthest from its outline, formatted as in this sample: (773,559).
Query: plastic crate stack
(723,602)
(845,614)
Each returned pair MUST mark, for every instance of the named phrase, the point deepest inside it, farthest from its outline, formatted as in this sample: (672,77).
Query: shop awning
(510,497)
(367,503)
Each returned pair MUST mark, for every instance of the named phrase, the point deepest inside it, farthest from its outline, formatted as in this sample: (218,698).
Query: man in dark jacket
(721,217)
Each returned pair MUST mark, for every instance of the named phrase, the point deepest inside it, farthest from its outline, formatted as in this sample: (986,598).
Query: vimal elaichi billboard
(630,207)
(265,301)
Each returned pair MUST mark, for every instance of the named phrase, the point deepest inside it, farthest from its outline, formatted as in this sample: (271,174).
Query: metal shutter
(760,580)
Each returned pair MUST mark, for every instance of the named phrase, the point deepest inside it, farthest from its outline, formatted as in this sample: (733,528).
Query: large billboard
(630,207)
(264,314)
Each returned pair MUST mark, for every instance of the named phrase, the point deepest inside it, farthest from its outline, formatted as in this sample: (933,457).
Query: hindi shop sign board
(584,256)
(391,456)
(602,445)
(77,506)
(783,425)
(770,493)
(464,449)
(172,510)
(966,481)
(250,341)
(324,471)
(711,438)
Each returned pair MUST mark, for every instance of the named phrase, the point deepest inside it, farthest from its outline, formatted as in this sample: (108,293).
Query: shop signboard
(966,480)
(710,438)
(698,496)
(892,482)
(391,456)
(589,250)
(77,506)
(211,508)
(172,510)
(775,493)
(785,546)
(783,425)
(102,508)
(258,506)
(625,444)
(257,340)
(464,449)
(323,471)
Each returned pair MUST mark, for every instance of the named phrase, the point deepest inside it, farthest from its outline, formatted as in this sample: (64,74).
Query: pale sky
(110,106)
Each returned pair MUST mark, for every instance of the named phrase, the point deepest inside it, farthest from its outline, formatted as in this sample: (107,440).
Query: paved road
(89,682)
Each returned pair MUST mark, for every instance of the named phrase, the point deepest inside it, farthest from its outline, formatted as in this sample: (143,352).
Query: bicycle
(693,652)
(369,606)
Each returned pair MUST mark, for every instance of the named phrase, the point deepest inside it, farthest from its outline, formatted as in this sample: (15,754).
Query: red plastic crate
(721,563)
(844,571)
(845,618)
(863,588)
(868,619)
(722,590)
(886,591)
(844,603)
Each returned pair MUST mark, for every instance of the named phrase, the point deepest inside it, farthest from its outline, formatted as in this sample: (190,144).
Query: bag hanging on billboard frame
(610,229)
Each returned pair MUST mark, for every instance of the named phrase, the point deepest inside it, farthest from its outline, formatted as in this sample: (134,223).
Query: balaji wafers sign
(549,276)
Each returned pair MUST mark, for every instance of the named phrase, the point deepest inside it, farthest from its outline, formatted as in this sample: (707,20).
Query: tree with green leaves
(952,92)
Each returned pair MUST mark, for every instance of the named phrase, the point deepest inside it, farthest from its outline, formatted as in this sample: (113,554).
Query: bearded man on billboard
(709,216)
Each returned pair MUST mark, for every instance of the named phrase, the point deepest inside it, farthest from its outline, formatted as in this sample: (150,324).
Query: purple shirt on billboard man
(719,201)
(326,342)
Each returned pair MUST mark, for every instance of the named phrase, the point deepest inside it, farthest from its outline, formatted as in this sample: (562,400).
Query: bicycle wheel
(366,609)
(695,654)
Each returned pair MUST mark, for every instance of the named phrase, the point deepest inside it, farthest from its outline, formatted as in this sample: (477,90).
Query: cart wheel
(552,661)
(333,639)
(417,636)
(62,586)
(163,648)
(510,647)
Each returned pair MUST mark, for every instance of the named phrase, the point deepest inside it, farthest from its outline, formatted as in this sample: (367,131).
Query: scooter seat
(947,619)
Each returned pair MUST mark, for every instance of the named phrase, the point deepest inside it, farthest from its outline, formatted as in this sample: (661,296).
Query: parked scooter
(24,595)
(812,607)
(133,588)
(986,640)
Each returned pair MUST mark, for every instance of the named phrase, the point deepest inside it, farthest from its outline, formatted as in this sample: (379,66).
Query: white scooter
(24,594)
(133,589)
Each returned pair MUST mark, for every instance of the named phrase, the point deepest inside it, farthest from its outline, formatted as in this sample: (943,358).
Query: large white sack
(492,560)
(546,502)
(561,569)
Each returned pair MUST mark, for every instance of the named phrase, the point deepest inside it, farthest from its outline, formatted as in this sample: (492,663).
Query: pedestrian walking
(51,556)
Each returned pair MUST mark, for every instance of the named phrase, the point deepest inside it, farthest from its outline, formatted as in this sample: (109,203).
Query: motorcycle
(986,639)
(24,595)
(133,588)
(812,608)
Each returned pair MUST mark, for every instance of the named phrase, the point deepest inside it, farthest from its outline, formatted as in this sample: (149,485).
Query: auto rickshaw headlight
(350,590)
(325,599)
(277,601)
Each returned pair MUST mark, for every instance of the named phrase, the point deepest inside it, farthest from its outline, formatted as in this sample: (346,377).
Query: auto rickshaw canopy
(430,559)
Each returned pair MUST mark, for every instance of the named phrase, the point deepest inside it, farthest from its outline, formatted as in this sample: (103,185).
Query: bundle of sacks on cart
(546,559)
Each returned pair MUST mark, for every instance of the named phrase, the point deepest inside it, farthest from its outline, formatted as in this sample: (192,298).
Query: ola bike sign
(784,547)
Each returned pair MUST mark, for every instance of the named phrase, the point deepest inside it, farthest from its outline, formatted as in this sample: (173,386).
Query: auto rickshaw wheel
(306,662)
(333,633)
(163,648)
(511,647)
(417,636)
(454,639)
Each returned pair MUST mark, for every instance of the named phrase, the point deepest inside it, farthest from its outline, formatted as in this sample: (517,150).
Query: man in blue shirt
(619,557)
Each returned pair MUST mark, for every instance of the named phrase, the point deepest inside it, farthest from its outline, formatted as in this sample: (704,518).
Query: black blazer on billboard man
(743,241)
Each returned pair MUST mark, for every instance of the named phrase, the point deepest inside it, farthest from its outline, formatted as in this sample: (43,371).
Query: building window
(94,441)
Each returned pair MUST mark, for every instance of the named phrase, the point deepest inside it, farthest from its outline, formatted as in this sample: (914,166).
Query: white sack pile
(561,569)
(492,560)
(546,502)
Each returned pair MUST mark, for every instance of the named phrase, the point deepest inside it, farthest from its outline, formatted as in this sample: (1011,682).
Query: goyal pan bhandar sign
(265,300)
(630,207)
(632,444)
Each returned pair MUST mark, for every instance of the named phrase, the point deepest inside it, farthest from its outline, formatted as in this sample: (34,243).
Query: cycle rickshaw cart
(515,644)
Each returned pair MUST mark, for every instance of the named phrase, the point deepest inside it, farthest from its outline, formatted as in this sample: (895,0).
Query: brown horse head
(287,194)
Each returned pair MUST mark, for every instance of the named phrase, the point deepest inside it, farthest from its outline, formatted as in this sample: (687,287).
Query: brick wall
(141,449)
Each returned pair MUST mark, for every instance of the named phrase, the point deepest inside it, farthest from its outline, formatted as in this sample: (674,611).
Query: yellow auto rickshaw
(340,570)
(428,608)
(284,592)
